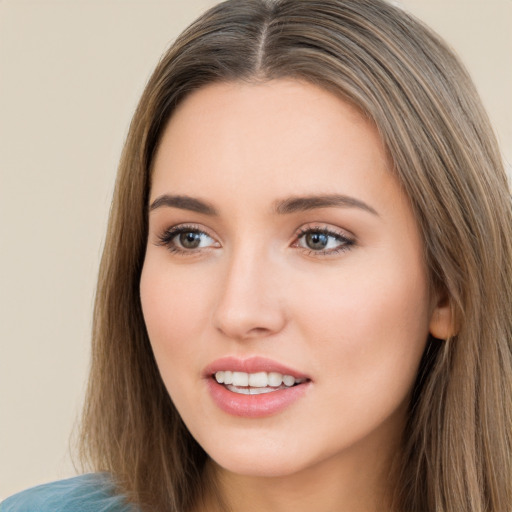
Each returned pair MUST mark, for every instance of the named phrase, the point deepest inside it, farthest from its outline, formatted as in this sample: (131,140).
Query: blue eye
(323,241)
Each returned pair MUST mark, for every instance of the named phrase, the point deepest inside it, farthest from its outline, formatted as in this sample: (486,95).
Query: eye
(323,241)
(191,240)
(186,239)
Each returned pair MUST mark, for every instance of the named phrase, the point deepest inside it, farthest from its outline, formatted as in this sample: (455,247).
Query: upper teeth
(256,380)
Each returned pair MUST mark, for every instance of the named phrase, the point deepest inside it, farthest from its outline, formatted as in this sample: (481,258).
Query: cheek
(368,326)
(365,347)
(174,306)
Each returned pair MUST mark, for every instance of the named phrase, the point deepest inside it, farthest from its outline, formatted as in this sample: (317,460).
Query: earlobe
(442,320)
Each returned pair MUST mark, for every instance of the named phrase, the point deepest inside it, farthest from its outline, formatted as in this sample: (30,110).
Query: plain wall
(71,72)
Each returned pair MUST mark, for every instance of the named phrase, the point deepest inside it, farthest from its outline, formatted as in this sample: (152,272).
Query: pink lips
(253,406)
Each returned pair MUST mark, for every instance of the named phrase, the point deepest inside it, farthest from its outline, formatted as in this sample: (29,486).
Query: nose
(251,300)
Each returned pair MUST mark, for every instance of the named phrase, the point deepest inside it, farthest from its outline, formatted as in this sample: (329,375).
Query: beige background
(71,72)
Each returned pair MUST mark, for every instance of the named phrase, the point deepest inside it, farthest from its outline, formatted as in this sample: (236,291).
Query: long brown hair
(457,444)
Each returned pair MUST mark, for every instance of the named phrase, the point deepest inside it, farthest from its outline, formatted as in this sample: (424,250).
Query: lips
(254,387)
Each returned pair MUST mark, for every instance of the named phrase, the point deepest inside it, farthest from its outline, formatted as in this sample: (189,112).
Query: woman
(304,299)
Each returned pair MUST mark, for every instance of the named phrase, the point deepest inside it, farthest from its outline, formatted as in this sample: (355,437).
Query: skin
(354,317)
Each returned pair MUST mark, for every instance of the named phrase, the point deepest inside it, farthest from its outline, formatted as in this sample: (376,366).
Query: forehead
(281,137)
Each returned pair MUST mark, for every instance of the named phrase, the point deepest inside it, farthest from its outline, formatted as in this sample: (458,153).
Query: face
(283,261)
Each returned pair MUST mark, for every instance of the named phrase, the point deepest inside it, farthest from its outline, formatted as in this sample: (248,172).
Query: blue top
(94,492)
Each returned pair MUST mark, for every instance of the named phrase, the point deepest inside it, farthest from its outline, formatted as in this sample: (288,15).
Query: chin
(258,467)
(255,460)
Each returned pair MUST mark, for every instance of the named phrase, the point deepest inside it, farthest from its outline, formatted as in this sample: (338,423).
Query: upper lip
(251,365)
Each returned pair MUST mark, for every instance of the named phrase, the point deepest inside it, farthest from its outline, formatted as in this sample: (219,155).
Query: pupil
(190,240)
(316,240)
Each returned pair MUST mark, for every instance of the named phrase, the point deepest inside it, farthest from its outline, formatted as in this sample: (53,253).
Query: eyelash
(346,243)
(167,239)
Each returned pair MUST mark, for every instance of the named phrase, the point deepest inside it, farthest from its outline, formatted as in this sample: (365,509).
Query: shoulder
(94,492)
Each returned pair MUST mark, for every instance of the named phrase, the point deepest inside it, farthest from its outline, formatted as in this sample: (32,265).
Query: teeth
(252,391)
(274,379)
(288,380)
(240,379)
(255,380)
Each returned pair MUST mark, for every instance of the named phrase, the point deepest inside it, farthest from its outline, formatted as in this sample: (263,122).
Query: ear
(442,319)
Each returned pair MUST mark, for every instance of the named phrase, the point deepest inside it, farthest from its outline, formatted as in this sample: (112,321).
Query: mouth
(256,383)
(254,388)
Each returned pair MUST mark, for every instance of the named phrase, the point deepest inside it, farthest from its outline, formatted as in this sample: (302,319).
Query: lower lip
(255,406)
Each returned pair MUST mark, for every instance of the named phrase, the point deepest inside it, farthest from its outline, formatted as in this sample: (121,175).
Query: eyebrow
(183,203)
(281,207)
(300,204)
